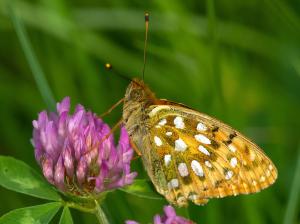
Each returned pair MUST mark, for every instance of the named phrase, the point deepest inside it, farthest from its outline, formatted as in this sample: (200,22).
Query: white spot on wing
(173,183)
(233,162)
(162,122)
(262,179)
(203,150)
(232,148)
(178,121)
(157,141)
(208,164)
(201,127)
(181,199)
(180,145)
(193,197)
(228,174)
(183,170)
(167,159)
(202,138)
(270,167)
(197,168)
(169,133)
(252,156)
(157,109)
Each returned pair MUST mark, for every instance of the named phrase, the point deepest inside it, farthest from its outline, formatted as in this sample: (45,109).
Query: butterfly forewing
(199,157)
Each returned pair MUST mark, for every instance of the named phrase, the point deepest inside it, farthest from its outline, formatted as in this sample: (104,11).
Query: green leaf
(18,176)
(142,188)
(66,217)
(35,214)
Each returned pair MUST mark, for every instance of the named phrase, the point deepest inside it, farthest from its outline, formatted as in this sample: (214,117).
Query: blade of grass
(290,213)
(215,59)
(214,67)
(35,67)
(233,34)
(286,13)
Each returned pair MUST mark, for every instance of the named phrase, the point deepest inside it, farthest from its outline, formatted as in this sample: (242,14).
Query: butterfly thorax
(138,97)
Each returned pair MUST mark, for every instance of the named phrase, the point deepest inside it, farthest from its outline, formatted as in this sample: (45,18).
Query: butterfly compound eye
(135,94)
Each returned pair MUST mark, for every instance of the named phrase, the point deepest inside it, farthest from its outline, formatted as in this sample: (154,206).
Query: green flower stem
(80,208)
(100,214)
(89,205)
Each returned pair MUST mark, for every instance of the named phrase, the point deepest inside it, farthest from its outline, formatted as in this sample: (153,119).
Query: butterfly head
(138,93)
(138,96)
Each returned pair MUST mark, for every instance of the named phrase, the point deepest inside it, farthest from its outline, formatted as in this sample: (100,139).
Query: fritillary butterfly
(189,155)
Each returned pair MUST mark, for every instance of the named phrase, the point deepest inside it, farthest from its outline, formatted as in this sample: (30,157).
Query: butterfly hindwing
(198,157)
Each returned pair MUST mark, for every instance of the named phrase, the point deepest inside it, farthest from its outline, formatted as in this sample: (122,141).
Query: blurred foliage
(235,60)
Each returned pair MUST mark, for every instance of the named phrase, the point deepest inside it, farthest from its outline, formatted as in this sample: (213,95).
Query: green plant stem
(80,208)
(94,209)
(100,214)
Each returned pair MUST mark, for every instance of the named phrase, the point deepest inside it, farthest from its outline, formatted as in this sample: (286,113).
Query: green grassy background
(235,60)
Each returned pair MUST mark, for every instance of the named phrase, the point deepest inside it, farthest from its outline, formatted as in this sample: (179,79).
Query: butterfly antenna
(146,40)
(108,66)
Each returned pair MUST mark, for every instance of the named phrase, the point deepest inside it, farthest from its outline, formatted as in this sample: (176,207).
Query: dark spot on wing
(247,167)
(214,129)
(214,144)
(225,170)
(255,163)
(202,178)
(247,151)
(218,183)
(231,136)
(228,142)
(186,180)
(213,157)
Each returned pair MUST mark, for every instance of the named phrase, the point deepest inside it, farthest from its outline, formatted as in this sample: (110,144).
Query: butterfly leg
(112,108)
(110,133)
(135,148)
(113,129)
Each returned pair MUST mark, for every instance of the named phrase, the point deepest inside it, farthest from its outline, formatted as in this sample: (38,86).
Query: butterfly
(188,155)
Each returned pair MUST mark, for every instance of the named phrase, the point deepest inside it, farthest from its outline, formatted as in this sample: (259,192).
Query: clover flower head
(77,153)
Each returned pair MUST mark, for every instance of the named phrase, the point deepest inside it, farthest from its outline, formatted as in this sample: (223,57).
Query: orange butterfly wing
(196,157)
